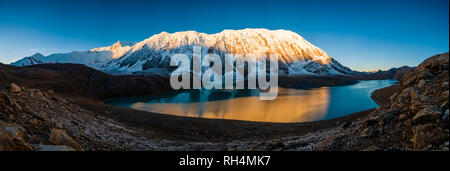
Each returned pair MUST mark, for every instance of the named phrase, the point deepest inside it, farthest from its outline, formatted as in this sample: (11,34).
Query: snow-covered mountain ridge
(296,55)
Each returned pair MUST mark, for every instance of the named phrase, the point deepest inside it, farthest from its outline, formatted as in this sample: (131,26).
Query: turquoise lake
(291,105)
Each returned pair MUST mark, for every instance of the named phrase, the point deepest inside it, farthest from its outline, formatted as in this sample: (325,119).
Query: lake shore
(178,128)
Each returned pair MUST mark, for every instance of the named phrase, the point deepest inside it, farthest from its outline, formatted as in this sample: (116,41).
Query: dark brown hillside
(79,80)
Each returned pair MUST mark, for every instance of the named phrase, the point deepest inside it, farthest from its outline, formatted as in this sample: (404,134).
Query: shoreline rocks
(421,118)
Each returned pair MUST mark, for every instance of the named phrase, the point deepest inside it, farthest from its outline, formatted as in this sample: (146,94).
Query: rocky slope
(414,118)
(34,120)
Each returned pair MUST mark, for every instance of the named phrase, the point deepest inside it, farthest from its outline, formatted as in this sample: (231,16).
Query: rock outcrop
(414,118)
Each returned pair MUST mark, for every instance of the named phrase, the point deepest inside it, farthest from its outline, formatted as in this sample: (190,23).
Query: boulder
(21,145)
(427,114)
(370,122)
(51,93)
(445,85)
(6,143)
(421,84)
(14,88)
(346,125)
(408,79)
(389,116)
(402,117)
(415,105)
(14,132)
(60,137)
(369,132)
(444,105)
(11,138)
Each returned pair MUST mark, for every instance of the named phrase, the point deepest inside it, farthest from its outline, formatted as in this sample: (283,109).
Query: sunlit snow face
(296,56)
(207,73)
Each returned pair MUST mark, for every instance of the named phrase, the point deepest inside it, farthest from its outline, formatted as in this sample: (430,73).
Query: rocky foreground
(34,120)
(414,118)
(34,117)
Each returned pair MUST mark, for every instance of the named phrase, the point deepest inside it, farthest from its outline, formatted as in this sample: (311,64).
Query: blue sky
(361,34)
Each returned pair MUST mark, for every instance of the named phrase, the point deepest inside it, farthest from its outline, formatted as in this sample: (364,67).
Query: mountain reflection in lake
(291,105)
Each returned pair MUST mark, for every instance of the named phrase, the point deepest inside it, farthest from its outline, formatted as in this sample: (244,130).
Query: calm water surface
(291,105)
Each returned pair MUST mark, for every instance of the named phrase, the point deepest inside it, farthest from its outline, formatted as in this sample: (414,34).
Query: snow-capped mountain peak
(247,42)
(116,49)
(37,55)
(296,55)
(31,60)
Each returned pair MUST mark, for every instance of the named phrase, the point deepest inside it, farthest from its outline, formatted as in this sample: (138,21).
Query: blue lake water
(291,105)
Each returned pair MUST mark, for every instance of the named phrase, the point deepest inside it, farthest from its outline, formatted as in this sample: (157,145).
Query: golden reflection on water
(290,106)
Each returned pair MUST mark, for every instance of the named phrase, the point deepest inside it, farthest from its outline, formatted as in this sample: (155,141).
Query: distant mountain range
(296,55)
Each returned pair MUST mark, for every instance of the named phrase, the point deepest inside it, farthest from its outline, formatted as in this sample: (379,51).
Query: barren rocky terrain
(59,107)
